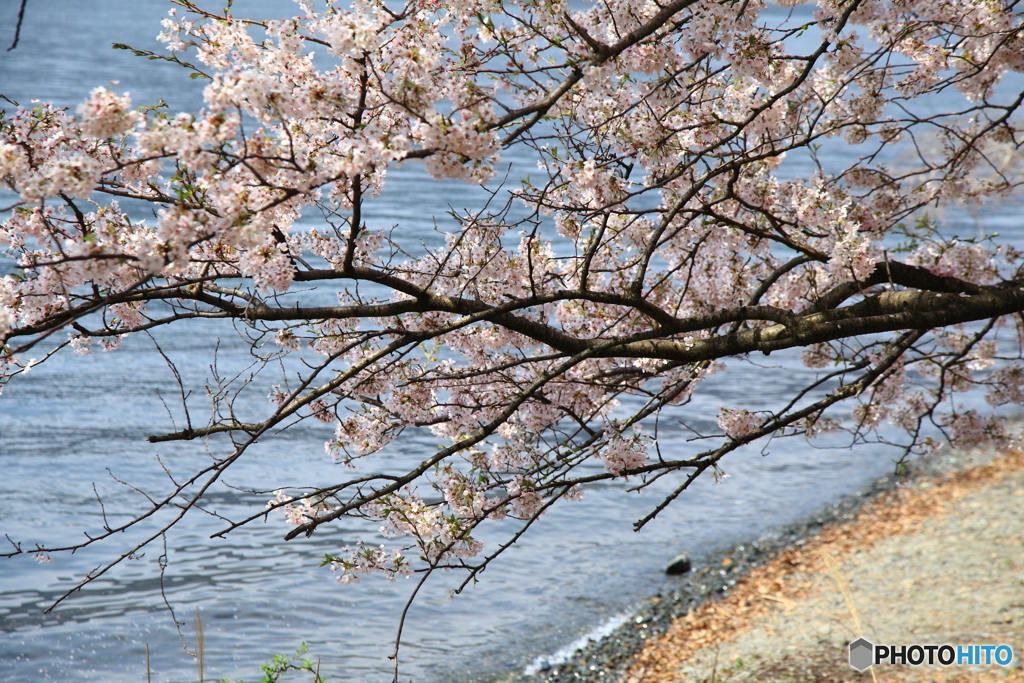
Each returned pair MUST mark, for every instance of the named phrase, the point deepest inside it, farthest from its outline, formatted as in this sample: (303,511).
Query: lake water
(64,424)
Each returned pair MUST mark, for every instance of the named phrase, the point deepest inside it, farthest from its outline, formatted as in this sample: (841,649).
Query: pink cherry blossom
(738,423)
(105,115)
(650,191)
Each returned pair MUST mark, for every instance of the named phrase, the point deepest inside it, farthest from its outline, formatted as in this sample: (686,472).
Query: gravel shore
(939,559)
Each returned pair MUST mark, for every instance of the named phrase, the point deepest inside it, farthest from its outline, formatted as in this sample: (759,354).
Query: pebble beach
(935,558)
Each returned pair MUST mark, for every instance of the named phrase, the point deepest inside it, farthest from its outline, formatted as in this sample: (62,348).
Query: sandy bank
(938,561)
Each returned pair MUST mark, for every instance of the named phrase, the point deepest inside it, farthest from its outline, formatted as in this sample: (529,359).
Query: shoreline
(623,648)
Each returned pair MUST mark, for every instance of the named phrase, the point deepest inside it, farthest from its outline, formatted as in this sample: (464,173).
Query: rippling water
(64,424)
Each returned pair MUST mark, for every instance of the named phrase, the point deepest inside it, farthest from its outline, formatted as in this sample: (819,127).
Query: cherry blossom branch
(680,214)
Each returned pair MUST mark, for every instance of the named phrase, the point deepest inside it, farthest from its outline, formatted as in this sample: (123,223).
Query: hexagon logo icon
(862,654)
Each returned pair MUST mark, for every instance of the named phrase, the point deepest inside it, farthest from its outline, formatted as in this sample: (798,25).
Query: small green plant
(277,667)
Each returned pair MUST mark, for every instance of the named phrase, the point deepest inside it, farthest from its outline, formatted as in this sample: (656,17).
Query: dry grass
(790,577)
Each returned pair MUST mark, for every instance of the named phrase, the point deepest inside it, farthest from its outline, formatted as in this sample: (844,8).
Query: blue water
(68,421)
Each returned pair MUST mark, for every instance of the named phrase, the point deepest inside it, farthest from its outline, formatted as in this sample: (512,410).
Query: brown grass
(789,576)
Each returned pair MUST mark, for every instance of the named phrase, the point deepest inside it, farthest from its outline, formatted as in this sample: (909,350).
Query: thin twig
(200,644)
(17,26)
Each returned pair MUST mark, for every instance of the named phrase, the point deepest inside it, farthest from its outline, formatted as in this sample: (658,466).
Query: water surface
(69,421)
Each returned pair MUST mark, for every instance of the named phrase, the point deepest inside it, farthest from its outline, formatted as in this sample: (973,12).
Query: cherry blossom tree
(662,230)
